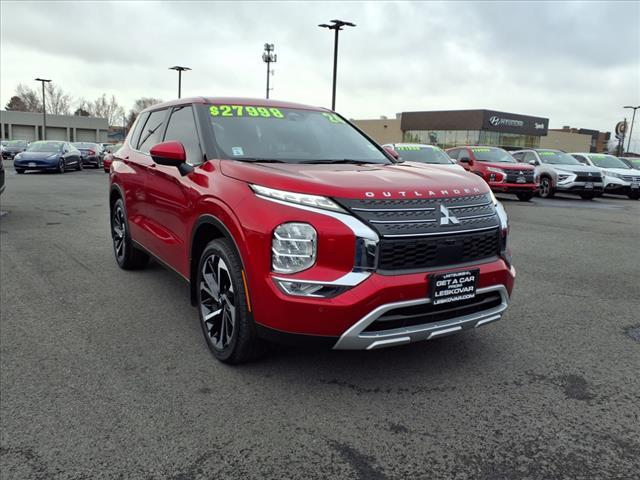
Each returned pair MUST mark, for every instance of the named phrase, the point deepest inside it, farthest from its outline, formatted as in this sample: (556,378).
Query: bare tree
(58,102)
(16,104)
(108,108)
(30,98)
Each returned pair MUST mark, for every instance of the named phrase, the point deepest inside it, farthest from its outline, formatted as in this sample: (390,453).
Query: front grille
(423,216)
(631,178)
(429,313)
(514,175)
(428,252)
(585,177)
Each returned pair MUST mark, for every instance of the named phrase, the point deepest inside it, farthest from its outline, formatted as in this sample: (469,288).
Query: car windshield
(290,135)
(555,157)
(84,145)
(497,155)
(635,162)
(422,153)
(608,161)
(44,147)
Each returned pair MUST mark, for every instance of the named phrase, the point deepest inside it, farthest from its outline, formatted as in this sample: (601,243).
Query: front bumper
(580,187)
(35,164)
(513,187)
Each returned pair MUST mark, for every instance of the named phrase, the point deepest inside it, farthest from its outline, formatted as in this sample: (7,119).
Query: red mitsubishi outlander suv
(500,170)
(289,223)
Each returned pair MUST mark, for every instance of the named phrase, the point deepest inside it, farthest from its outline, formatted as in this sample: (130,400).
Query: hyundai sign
(514,123)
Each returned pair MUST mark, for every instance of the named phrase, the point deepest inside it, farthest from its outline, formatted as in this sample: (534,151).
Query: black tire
(61,166)
(79,166)
(99,164)
(19,171)
(525,197)
(127,255)
(221,265)
(546,189)
(587,195)
(634,195)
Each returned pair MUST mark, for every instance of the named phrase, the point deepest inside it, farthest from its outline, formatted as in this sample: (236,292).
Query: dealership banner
(514,123)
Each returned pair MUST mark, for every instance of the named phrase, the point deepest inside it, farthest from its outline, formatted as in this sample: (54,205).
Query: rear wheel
(587,195)
(525,196)
(546,188)
(222,305)
(127,256)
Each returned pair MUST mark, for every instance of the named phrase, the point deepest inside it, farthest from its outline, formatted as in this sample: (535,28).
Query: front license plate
(454,286)
(32,164)
(635,185)
(588,186)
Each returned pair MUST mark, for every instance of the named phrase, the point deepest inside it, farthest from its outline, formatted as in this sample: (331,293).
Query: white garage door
(85,135)
(23,132)
(56,133)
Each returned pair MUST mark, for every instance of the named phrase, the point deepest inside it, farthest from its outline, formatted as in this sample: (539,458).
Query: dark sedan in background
(92,153)
(47,155)
(13,147)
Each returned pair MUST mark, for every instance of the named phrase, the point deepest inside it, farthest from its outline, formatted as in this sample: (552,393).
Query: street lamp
(44,108)
(269,57)
(336,26)
(179,69)
(633,117)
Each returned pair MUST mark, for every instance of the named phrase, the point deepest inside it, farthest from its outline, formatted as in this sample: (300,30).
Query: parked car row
(54,155)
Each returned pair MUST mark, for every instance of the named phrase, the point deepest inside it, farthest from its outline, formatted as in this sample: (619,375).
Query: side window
(182,128)
(135,136)
(581,159)
(152,132)
(528,156)
(518,156)
(453,153)
(463,153)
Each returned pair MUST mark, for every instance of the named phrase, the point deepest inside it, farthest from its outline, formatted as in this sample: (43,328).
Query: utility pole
(179,69)
(336,25)
(633,117)
(44,108)
(269,57)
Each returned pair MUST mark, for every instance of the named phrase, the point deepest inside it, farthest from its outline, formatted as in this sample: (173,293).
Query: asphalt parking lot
(105,373)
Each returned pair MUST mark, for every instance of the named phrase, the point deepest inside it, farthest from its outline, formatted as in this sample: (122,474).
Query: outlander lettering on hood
(290,224)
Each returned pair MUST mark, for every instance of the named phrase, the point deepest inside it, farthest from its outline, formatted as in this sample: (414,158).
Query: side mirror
(533,162)
(171,154)
(464,160)
(392,152)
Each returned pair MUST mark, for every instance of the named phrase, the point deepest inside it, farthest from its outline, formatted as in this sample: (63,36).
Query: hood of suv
(359,181)
(575,168)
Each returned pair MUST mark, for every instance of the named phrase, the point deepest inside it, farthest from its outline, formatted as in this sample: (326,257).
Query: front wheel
(587,195)
(222,305)
(61,166)
(525,196)
(19,171)
(127,256)
(634,195)
(546,188)
(79,166)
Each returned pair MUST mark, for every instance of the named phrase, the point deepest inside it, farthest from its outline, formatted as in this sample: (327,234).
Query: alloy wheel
(544,187)
(118,228)
(217,302)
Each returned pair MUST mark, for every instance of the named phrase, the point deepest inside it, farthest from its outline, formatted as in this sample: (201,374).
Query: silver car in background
(560,172)
(618,177)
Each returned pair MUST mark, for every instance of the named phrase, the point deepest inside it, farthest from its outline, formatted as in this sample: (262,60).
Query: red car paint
(506,182)
(164,209)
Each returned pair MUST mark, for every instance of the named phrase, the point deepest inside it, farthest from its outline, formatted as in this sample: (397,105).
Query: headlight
(493,176)
(298,198)
(611,174)
(17,157)
(293,247)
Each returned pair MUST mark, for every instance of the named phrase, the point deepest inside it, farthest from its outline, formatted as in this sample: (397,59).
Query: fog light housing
(293,247)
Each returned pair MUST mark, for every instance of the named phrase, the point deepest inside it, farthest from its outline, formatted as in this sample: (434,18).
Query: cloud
(575,63)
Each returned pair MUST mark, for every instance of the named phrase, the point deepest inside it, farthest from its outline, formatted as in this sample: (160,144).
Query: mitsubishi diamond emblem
(446,217)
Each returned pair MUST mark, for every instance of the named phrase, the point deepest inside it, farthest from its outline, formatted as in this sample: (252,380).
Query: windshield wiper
(258,160)
(343,160)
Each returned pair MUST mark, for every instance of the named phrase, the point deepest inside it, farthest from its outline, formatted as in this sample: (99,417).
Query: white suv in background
(618,177)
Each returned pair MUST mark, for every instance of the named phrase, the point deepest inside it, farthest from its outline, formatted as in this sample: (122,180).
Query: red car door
(170,194)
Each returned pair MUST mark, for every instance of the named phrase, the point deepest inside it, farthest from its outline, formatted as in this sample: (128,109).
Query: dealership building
(450,128)
(28,126)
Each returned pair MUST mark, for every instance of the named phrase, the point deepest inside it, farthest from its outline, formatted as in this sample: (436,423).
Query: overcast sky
(574,63)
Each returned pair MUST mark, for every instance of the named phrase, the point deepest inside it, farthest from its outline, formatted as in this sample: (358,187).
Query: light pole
(179,69)
(633,117)
(44,108)
(336,26)
(269,57)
